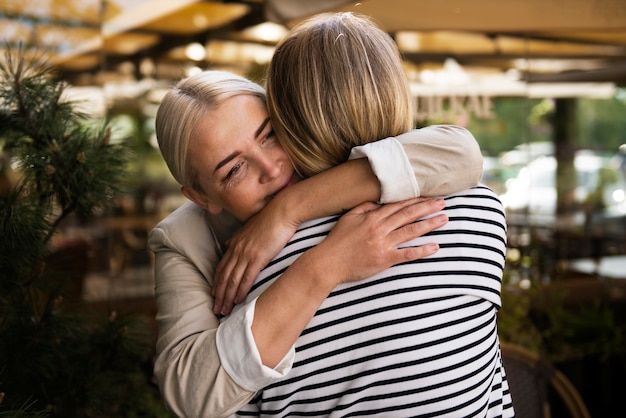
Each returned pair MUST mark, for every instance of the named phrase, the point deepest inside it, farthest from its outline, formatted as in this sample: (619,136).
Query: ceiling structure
(537,41)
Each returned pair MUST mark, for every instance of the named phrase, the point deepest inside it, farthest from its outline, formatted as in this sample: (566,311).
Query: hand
(249,250)
(366,240)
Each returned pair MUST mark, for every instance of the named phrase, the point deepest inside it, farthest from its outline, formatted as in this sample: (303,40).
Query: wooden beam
(494,15)
(143,14)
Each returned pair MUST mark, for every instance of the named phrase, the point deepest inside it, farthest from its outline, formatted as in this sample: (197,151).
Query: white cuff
(391,165)
(239,355)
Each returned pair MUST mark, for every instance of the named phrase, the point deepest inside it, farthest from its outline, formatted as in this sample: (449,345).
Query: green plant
(58,164)
(544,311)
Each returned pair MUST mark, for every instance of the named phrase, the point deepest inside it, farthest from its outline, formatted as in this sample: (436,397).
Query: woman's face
(240,164)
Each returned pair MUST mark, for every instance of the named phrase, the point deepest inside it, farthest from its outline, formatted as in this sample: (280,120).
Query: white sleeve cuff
(391,165)
(239,355)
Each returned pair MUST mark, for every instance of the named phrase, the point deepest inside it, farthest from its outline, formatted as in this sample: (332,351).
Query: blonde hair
(184,106)
(336,81)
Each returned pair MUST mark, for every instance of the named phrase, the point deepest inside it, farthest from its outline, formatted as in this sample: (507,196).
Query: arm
(442,159)
(194,378)
(431,161)
(369,237)
(264,235)
(188,369)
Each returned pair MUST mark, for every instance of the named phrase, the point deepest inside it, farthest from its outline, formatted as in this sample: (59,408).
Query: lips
(292,180)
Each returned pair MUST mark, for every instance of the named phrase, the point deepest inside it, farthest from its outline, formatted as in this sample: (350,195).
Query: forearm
(433,161)
(203,368)
(284,309)
(330,192)
(365,241)
(188,369)
(445,159)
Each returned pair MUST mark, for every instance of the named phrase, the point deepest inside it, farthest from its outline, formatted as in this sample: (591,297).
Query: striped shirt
(419,339)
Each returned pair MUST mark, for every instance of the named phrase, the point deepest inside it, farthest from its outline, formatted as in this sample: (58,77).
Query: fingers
(233,283)
(220,281)
(227,286)
(248,277)
(395,223)
(419,228)
(405,228)
(414,253)
(249,250)
(233,280)
(418,208)
(367,207)
(400,214)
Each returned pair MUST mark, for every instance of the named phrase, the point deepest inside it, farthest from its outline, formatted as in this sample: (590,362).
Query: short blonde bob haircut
(335,82)
(184,106)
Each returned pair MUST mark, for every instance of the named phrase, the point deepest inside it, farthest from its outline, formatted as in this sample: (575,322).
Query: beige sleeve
(191,378)
(432,161)
(445,159)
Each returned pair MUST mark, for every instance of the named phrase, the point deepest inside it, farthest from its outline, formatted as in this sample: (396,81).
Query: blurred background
(540,83)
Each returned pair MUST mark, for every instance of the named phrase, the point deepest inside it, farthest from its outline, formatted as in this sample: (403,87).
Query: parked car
(524,153)
(494,174)
(530,197)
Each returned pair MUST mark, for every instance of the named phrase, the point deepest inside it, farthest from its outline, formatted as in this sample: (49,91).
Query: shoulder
(184,216)
(437,132)
(185,225)
(183,244)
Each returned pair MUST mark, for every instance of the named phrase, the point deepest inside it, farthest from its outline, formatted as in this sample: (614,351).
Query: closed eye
(270,136)
(232,172)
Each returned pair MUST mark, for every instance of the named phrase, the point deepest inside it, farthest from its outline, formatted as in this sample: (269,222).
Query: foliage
(538,318)
(58,163)
(543,311)
(600,122)
(517,121)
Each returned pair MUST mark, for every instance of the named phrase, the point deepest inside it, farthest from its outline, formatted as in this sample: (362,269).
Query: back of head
(184,106)
(336,81)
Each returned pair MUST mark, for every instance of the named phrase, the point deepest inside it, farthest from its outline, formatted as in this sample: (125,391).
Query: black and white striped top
(419,339)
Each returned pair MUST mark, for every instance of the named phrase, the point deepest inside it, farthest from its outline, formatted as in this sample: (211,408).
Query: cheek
(255,197)
(285,161)
(246,201)
(281,152)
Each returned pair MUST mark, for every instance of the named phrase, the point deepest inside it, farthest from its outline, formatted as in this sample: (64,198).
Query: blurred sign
(452,107)
(451,102)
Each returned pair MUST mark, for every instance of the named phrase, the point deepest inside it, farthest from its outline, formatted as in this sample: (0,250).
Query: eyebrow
(236,153)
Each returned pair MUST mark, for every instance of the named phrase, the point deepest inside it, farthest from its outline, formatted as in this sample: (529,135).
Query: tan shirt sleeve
(433,161)
(191,378)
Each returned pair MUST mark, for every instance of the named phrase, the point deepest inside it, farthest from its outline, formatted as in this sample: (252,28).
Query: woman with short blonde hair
(185,105)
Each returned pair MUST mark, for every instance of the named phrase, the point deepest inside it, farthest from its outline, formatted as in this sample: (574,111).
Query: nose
(271,166)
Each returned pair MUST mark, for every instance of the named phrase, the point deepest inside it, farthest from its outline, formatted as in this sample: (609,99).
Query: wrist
(320,279)
(324,270)
(330,192)
(291,205)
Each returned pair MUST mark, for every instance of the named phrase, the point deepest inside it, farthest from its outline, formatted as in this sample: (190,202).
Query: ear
(201,200)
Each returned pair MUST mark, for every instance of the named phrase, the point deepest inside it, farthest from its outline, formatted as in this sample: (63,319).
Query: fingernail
(432,248)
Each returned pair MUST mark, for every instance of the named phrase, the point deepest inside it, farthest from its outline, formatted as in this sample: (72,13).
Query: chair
(533,380)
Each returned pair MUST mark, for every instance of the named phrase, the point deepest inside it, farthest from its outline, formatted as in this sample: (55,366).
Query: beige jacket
(207,369)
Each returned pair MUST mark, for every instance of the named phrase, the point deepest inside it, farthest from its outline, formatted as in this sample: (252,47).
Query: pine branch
(50,359)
